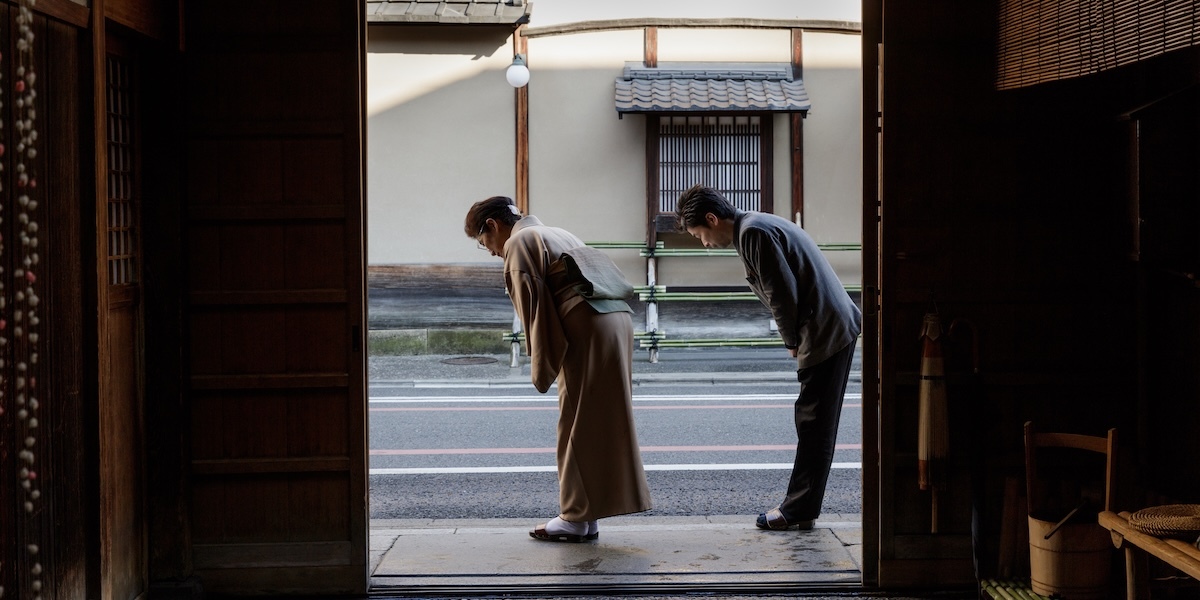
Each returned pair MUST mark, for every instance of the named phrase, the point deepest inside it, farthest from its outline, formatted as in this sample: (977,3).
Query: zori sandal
(558,530)
(774,520)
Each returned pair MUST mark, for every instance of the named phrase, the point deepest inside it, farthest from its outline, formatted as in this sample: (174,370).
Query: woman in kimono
(586,345)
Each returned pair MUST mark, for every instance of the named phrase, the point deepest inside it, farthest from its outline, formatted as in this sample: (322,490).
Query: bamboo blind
(1048,40)
(723,152)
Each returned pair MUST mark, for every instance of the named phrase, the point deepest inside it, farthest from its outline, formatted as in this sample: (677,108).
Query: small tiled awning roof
(449,12)
(708,87)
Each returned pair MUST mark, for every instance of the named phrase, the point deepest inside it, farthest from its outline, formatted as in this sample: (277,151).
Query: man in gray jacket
(817,320)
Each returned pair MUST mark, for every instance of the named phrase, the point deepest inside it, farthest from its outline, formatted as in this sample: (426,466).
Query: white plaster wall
(833,146)
(587,168)
(724,45)
(439,137)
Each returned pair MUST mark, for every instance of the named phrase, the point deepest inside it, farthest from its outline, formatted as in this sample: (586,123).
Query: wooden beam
(767,162)
(650,48)
(848,27)
(153,18)
(796,134)
(65,10)
(876,523)
(520,46)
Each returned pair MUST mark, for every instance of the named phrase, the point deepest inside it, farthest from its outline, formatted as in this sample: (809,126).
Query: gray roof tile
(458,12)
(724,87)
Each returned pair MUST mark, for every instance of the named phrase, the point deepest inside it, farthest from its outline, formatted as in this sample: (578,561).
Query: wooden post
(797,134)
(650,48)
(521,46)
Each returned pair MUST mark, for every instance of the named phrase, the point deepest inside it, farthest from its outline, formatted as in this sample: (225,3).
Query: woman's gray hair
(500,208)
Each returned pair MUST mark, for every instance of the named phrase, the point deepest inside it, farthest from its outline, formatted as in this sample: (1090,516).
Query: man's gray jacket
(787,271)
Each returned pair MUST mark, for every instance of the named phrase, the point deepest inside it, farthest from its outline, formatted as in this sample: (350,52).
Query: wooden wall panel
(272,510)
(277,298)
(277,424)
(122,485)
(61,524)
(68,428)
(158,20)
(1010,210)
(1001,222)
(1168,210)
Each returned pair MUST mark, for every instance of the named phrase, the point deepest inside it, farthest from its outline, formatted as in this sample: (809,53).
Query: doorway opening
(462,455)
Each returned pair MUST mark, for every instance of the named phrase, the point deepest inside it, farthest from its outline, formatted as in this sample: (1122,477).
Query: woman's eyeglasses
(478,236)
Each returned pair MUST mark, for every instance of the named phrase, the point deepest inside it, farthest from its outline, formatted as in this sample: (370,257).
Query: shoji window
(729,153)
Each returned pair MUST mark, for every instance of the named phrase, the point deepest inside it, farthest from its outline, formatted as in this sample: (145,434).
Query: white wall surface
(833,146)
(587,168)
(441,130)
(724,45)
(439,138)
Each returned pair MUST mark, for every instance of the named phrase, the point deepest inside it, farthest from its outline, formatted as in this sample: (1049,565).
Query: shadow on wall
(438,39)
(432,152)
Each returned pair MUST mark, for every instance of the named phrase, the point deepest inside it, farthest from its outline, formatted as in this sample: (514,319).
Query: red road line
(636,407)
(433,451)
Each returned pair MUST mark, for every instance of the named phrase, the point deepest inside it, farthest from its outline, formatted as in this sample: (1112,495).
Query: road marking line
(554,399)
(439,451)
(551,469)
(525,408)
(495,384)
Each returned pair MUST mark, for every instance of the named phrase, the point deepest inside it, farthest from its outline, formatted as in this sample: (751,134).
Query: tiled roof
(703,87)
(460,12)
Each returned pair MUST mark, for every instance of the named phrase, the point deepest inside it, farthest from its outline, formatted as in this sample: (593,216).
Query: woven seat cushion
(1168,520)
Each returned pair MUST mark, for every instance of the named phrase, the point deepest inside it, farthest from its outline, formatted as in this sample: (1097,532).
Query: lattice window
(122,198)
(724,152)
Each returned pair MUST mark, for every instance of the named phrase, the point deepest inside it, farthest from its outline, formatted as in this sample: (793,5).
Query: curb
(680,378)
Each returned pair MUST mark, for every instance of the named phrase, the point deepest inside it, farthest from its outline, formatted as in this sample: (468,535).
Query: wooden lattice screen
(724,152)
(122,222)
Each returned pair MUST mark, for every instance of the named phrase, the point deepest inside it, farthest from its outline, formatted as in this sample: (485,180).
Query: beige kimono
(591,354)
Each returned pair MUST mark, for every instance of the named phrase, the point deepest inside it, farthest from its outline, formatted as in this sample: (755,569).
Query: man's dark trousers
(818,410)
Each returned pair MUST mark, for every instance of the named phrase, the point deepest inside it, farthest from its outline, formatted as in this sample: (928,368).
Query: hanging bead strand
(3,306)
(24,276)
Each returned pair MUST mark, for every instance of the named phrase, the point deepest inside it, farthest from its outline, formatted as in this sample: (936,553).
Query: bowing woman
(582,337)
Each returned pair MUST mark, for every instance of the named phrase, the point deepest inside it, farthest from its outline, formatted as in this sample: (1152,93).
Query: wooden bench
(1139,547)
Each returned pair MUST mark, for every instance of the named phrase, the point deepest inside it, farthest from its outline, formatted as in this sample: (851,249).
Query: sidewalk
(633,553)
(675,365)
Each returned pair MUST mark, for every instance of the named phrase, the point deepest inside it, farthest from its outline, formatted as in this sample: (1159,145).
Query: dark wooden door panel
(276,275)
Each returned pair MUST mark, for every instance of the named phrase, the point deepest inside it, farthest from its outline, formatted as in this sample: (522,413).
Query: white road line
(554,399)
(551,469)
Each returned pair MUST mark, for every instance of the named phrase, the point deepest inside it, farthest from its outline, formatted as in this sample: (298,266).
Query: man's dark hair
(698,201)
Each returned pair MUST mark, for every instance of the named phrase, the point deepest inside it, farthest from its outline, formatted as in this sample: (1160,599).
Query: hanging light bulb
(517,73)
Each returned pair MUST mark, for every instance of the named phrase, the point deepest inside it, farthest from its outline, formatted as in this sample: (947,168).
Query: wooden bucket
(1074,563)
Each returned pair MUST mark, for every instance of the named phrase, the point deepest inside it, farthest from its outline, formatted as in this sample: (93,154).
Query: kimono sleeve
(544,337)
